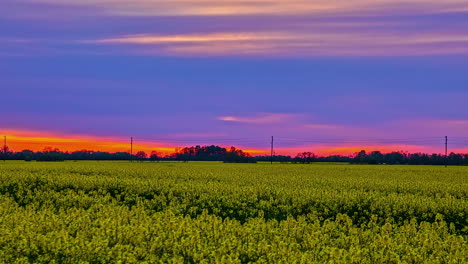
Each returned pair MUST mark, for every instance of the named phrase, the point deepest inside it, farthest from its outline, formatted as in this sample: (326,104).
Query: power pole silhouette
(131,149)
(4,150)
(446,150)
(271,155)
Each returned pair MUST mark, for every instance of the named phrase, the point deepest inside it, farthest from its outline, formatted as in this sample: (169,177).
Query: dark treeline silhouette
(306,158)
(213,153)
(234,155)
(49,154)
(197,153)
(375,157)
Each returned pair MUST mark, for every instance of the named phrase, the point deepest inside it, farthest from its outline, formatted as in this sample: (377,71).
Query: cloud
(266,118)
(262,7)
(338,42)
(149,39)
(263,28)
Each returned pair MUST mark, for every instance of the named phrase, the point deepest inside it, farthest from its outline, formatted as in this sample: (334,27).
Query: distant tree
(361,157)
(26,155)
(141,155)
(5,149)
(376,157)
(154,156)
(82,155)
(238,156)
(5,153)
(51,154)
(305,157)
(455,159)
(395,158)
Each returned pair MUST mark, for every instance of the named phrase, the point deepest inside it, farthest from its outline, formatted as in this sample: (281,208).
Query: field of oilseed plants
(202,212)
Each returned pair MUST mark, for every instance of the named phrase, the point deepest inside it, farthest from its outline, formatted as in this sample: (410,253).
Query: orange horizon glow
(18,140)
(37,141)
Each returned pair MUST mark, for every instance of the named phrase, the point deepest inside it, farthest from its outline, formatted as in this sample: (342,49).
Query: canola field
(208,212)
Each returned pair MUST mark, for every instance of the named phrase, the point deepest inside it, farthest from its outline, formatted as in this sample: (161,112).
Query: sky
(331,77)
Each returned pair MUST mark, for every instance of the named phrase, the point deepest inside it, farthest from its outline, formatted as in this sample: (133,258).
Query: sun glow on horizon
(18,140)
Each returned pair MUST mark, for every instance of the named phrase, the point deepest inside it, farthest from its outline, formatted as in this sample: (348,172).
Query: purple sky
(312,73)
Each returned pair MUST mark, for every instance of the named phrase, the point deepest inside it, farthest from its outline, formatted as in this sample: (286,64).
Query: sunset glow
(37,141)
(329,77)
(40,141)
(21,140)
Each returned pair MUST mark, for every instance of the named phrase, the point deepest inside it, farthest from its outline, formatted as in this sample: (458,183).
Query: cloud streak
(294,43)
(262,7)
(263,28)
(266,118)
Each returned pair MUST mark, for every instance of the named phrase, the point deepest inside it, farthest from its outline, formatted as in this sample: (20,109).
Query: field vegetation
(210,212)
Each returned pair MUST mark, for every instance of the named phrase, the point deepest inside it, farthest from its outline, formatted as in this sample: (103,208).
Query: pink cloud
(340,41)
(263,7)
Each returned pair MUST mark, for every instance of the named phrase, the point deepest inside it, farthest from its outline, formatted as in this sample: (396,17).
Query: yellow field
(202,212)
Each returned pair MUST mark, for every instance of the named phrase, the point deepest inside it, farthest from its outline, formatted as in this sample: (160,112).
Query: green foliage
(201,212)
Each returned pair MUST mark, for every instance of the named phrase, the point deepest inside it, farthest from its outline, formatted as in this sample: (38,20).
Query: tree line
(376,157)
(234,155)
(196,153)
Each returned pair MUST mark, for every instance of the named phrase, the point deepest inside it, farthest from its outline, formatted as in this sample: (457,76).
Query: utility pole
(131,149)
(271,155)
(446,150)
(4,150)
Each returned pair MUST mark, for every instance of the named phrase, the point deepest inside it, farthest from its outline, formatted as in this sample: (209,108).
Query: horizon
(19,141)
(329,77)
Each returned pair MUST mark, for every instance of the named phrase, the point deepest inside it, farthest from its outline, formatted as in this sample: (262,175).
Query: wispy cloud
(263,7)
(271,28)
(190,38)
(296,43)
(264,118)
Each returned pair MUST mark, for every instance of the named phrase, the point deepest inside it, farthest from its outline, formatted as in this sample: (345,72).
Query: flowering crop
(202,212)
